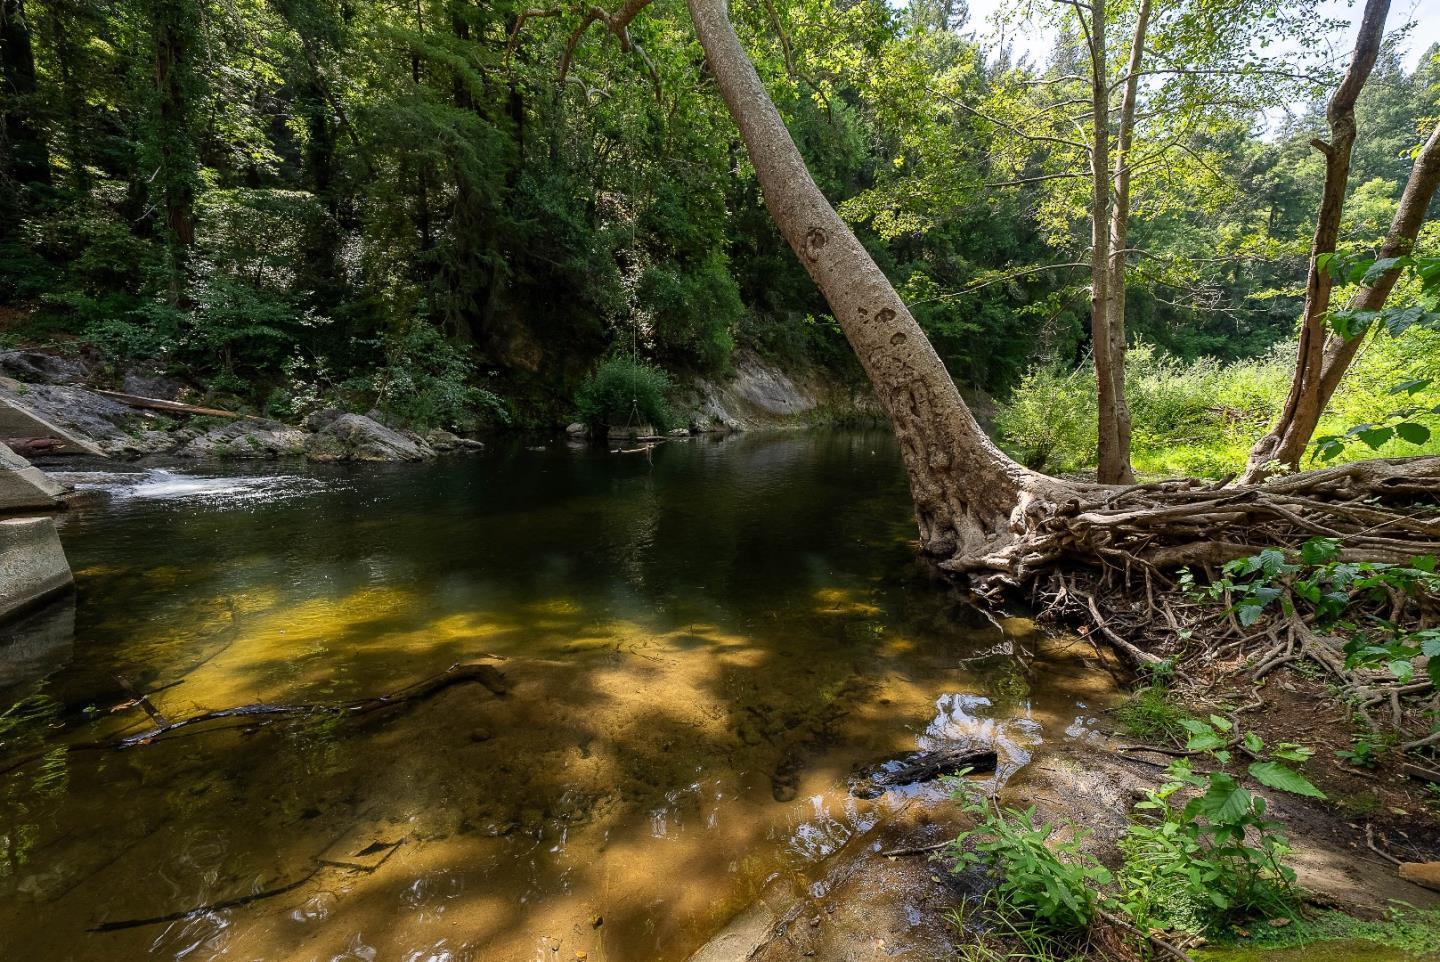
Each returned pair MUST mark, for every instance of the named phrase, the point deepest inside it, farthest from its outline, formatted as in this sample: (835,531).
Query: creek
(701,644)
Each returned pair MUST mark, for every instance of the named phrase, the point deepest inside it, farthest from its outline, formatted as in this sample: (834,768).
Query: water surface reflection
(700,648)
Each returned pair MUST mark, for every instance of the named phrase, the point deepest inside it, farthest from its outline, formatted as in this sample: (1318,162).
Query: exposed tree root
(1107,559)
(1380,510)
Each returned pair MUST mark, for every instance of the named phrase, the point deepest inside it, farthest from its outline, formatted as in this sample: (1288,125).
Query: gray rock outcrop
(247,438)
(24,487)
(354,437)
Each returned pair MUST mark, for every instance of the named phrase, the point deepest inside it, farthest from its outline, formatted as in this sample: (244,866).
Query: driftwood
(209,907)
(486,675)
(918,767)
(157,404)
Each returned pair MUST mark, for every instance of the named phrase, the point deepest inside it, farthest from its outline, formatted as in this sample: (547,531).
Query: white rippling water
(159,484)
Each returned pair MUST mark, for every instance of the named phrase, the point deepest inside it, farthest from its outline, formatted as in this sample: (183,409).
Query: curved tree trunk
(971,501)
(1297,425)
(1304,405)
(981,513)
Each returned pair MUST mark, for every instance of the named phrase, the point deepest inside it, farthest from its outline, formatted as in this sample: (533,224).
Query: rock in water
(247,438)
(23,486)
(355,437)
(917,767)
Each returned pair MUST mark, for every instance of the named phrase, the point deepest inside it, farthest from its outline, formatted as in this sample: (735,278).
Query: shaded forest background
(290,202)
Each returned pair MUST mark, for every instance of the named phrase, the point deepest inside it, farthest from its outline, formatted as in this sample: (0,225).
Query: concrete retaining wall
(32,564)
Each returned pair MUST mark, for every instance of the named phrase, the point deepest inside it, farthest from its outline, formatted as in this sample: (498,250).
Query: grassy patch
(1152,714)
(1411,930)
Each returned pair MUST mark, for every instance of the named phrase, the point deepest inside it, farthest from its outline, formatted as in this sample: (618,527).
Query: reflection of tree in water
(26,795)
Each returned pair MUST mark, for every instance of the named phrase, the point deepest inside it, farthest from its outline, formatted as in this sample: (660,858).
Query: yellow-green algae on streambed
(700,646)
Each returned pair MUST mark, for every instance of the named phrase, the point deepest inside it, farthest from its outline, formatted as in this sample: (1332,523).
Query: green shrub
(694,311)
(424,382)
(1050,422)
(1201,417)
(1051,881)
(621,392)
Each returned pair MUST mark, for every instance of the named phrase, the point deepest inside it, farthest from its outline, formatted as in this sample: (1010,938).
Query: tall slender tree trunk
(21,140)
(970,499)
(175,25)
(1288,439)
(1119,471)
(1304,405)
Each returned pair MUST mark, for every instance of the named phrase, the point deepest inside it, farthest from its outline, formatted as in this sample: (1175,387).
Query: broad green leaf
(1412,432)
(1284,778)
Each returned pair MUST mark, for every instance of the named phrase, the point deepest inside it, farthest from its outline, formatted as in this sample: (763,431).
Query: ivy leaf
(1225,801)
(1249,614)
(1372,274)
(1413,386)
(1283,777)
(1206,742)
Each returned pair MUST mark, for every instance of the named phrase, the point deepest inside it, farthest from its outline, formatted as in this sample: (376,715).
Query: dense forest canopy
(459,207)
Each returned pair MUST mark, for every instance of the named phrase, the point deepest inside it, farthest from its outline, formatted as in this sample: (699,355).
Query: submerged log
(486,675)
(918,767)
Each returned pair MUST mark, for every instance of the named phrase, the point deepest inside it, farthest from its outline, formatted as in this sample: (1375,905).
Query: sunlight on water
(698,653)
(159,484)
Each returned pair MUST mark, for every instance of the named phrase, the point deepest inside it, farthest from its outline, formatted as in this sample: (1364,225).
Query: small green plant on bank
(1199,856)
(1351,599)
(622,392)
(1151,712)
(1053,881)
(1362,753)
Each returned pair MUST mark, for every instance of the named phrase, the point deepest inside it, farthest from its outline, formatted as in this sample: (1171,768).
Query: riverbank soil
(896,895)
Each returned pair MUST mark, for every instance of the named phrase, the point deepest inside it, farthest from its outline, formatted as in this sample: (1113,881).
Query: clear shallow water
(700,646)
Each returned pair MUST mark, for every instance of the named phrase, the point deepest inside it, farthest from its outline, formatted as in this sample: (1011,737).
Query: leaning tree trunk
(1286,441)
(1295,429)
(971,501)
(989,518)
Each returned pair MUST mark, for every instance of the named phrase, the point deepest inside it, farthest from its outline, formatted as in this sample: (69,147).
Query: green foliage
(1151,713)
(1349,599)
(621,392)
(1049,878)
(694,311)
(426,381)
(1200,854)
(1201,417)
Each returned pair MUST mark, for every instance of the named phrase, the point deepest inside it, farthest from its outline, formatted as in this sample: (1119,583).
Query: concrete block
(24,487)
(32,564)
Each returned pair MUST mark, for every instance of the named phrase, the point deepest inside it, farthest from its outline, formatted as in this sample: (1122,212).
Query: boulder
(24,487)
(32,564)
(354,437)
(247,438)
(577,430)
(37,367)
(76,420)
(442,440)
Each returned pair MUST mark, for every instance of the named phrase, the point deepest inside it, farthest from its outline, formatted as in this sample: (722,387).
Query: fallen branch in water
(210,907)
(486,675)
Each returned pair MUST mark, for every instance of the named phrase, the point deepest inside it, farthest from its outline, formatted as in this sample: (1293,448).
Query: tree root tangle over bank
(1108,560)
(1381,510)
